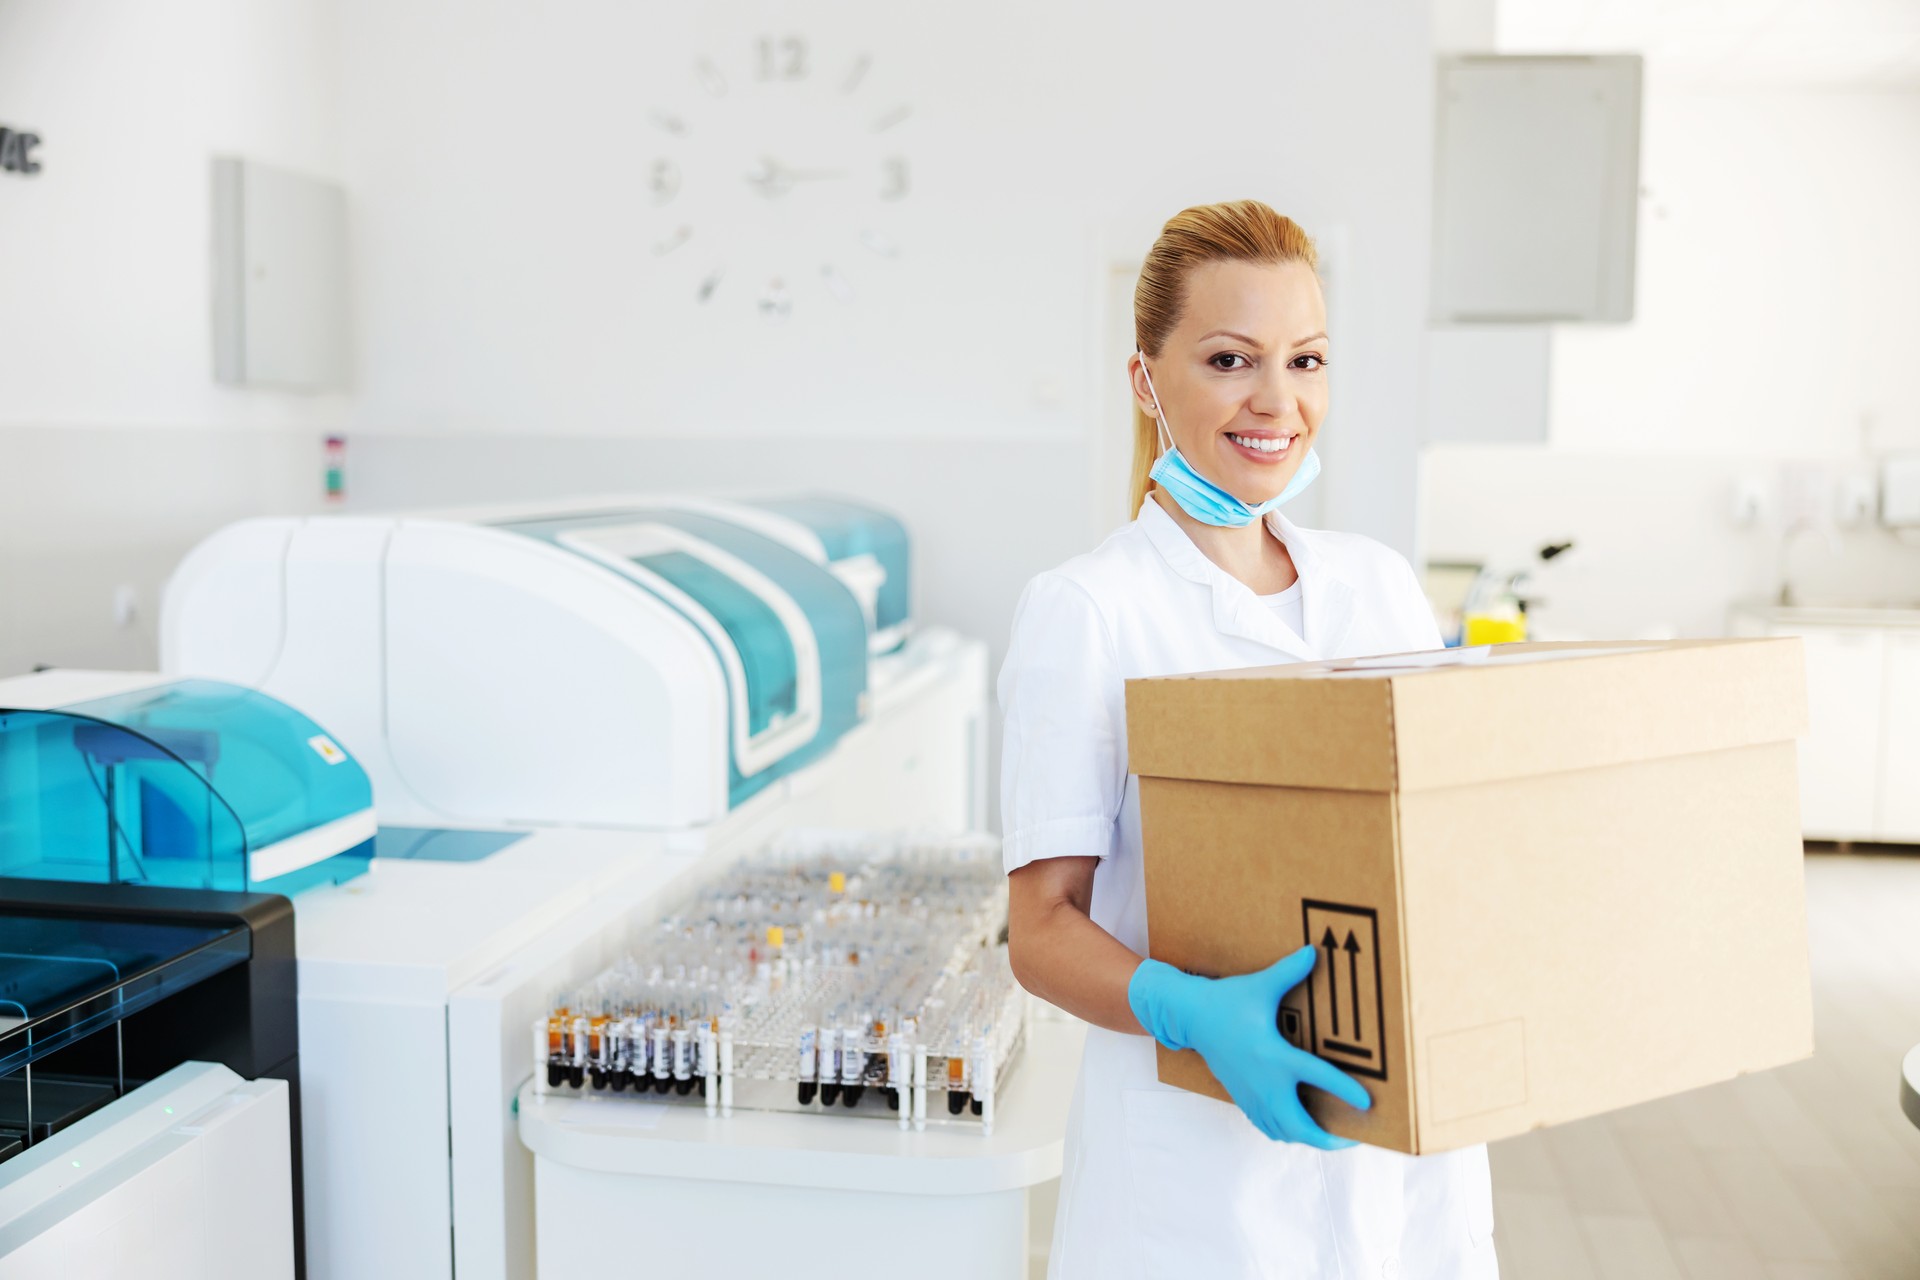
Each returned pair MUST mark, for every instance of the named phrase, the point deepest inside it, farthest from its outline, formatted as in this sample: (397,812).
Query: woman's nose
(1273,395)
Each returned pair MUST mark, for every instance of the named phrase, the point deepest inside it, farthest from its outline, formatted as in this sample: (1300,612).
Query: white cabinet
(1840,756)
(1860,759)
(1898,815)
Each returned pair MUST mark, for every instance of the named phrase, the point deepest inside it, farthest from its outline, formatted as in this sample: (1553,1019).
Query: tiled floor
(1809,1172)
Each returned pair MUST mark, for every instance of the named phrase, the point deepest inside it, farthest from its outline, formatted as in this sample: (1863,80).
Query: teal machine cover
(691,580)
(848,530)
(188,783)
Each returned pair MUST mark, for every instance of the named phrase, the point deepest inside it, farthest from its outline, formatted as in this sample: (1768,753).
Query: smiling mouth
(1266,446)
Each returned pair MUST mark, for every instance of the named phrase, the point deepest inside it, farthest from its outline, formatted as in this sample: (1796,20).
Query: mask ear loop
(1162,430)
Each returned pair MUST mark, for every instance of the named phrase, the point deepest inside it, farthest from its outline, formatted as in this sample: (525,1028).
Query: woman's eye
(1319,362)
(1228,355)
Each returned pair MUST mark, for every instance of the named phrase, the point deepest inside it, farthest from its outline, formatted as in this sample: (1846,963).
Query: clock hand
(771,180)
(775,179)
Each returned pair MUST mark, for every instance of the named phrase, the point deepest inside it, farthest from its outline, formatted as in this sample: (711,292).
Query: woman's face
(1242,378)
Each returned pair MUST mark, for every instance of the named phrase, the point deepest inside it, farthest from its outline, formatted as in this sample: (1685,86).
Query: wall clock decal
(771,187)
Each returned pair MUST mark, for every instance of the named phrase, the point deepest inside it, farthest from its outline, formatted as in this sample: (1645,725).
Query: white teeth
(1275,444)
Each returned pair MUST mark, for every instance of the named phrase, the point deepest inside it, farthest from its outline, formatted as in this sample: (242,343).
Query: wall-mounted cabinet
(1536,188)
(279,278)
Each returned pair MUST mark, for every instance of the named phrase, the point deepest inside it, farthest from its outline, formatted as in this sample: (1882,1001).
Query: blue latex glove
(1233,1022)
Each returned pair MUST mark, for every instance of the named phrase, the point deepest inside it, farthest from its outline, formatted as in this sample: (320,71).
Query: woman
(1229,380)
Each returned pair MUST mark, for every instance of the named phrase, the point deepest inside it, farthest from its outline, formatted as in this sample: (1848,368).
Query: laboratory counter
(952,1198)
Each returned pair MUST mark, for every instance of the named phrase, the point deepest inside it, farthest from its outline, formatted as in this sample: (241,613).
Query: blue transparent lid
(180,784)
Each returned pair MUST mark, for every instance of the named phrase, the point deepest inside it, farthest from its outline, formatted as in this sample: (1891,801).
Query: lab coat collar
(1326,597)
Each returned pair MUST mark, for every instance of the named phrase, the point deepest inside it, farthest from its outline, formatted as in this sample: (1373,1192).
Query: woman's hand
(1066,959)
(1233,1022)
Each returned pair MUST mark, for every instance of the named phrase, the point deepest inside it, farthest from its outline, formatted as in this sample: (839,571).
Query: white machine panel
(497,645)
(481,676)
(237,575)
(188,1177)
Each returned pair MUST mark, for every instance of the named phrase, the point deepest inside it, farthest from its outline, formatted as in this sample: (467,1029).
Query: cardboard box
(1545,880)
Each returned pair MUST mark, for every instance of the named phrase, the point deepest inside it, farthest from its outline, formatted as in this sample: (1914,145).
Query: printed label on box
(1346,1009)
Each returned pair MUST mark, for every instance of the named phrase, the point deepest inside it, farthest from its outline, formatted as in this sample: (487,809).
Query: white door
(1899,816)
(1840,755)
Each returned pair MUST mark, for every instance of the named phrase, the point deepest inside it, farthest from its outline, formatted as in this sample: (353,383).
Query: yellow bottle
(1499,626)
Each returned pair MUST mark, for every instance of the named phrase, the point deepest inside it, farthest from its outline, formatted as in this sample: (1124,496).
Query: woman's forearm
(1062,956)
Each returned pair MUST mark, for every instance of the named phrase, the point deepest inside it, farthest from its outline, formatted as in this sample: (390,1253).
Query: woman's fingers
(1322,1074)
(1286,973)
(1299,1127)
(1265,1121)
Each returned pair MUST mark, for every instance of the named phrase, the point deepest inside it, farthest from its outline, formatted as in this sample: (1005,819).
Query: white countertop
(1831,616)
(415,931)
(615,1133)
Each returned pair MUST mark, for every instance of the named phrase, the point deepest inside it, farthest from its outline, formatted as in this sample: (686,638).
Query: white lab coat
(1159,1182)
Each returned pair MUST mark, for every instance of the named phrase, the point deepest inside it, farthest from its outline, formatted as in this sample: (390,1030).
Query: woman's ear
(1137,381)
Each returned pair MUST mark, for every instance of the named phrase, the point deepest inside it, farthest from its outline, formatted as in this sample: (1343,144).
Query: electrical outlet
(1900,490)
(1749,501)
(1855,499)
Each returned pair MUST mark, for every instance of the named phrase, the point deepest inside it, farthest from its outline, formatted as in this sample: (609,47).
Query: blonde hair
(1237,231)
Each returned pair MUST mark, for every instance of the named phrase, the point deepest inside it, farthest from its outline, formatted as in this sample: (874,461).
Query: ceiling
(1853,44)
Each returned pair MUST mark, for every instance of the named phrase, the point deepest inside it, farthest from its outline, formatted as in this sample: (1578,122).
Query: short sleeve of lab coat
(1063,763)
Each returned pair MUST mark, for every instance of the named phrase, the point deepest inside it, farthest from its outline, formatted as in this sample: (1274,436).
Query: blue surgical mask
(1200,497)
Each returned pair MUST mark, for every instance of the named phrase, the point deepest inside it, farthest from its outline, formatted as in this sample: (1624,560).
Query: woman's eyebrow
(1255,343)
(1238,337)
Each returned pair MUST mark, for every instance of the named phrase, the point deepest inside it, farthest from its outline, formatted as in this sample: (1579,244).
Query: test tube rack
(857,975)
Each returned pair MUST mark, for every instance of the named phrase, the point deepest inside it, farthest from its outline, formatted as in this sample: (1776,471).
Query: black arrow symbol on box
(1353,980)
(1333,976)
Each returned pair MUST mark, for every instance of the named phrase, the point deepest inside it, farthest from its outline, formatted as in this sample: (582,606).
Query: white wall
(504,228)
(516,334)
(1488,383)
(1779,282)
(117,449)
(1772,351)
(96,517)
(105,314)
(1657,549)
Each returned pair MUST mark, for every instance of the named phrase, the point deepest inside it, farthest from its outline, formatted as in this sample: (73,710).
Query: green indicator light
(168,1110)
(76,1164)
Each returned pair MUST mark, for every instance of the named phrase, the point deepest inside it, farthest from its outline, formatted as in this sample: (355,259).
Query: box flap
(1236,726)
(1454,717)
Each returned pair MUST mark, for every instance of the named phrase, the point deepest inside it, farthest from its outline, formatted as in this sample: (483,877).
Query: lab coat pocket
(1473,1183)
(1212,1196)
